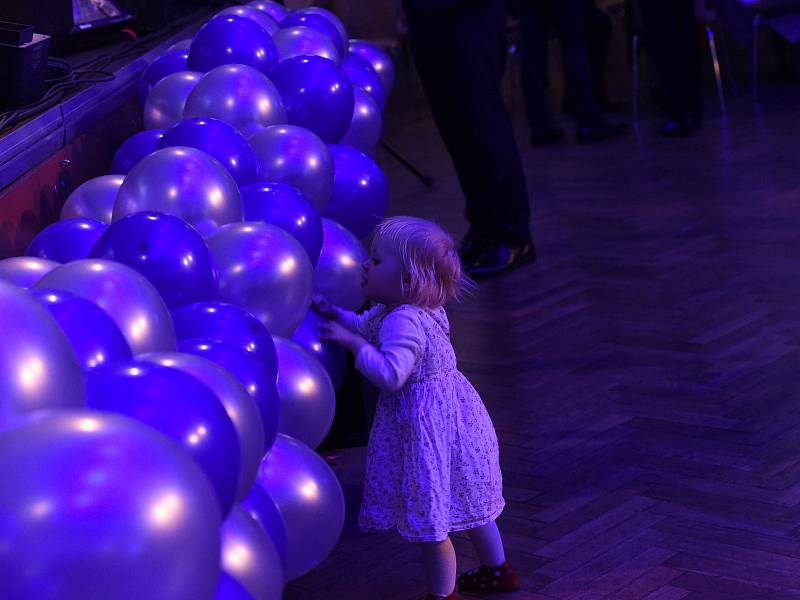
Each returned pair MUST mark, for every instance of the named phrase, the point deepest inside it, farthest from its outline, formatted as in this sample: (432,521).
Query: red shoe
(489,579)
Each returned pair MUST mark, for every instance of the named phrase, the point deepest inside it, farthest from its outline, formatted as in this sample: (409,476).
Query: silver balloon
(38,365)
(337,22)
(259,16)
(308,399)
(367,124)
(93,199)
(239,95)
(98,506)
(305,41)
(127,297)
(294,155)
(181,181)
(275,10)
(338,274)
(164,105)
(250,556)
(378,58)
(310,500)
(264,270)
(239,405)
(25,271)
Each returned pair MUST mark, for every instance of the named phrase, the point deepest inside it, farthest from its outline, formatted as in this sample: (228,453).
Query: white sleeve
(401,341)
(353,321)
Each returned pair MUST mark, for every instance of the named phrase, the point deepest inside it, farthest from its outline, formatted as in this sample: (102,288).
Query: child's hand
(322,307)
(331,331)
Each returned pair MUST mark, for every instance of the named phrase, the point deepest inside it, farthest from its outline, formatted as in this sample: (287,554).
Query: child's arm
(400,343)
(350,320)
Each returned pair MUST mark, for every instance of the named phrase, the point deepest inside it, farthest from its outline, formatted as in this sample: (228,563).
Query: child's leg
(488,544)
(439,562)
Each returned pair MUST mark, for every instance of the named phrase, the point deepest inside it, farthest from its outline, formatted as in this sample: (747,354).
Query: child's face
(383,275)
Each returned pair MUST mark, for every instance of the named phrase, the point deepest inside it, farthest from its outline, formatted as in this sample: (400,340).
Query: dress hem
(463,526)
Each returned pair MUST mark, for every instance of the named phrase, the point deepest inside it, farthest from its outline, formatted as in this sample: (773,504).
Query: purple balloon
(230,589)
(167,251)
(93,335)
(317,95)
(248,12)
(220,140)
(378,58)
(361,73)
(134,149)
(274,9)
(229,39)
(332,356)
(285,206)
(170,62)
(229,323)
(67,240)
(261,507)
(180,407)
(247,368)
(318,22)
(360,191)
(367,124)
(95,505)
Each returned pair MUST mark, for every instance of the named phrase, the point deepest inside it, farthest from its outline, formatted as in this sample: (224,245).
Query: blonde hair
(429,259)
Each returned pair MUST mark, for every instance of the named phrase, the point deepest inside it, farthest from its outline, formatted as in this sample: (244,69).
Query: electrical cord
(63,79)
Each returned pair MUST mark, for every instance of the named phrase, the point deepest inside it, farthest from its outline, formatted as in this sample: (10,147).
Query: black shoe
(601,131)
(487,259)
(680,127)
(546,137)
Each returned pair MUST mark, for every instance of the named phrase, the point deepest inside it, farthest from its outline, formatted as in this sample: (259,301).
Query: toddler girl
(432,458)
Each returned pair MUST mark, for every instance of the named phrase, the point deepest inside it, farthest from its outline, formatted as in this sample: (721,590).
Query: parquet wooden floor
(642,374)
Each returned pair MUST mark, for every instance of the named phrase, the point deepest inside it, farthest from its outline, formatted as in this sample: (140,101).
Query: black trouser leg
(671,31)
(534,24)
(459,55)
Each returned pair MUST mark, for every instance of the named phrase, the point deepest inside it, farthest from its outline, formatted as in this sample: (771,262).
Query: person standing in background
(459,50)
(671,29)
(571,20)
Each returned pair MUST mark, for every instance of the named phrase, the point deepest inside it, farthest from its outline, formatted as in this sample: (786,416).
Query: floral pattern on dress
(432,458)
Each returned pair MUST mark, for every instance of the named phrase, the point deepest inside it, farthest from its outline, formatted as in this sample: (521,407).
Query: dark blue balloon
(332,356)
(230,589)
(179,406)
(287,207)
(167,251)
(317,95)
(172,61)
(134,149)
(67,240)
(318,22)
(220,140)
(247,368)
(262,508)
(361,73)
(93,335)
(228,39)
(360,191)
(223,322)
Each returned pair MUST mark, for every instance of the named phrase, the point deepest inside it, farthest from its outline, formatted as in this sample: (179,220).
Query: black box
(22,71)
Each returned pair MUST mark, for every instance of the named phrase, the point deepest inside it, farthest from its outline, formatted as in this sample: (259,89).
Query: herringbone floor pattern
(642,374)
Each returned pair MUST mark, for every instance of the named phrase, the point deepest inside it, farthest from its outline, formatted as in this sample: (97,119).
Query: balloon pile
(163,384)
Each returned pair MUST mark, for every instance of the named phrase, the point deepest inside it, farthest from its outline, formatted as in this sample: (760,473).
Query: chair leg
(756,27)
(717,75)
(635,77)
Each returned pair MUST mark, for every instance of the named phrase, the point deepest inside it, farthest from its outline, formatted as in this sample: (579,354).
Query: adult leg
(459,55)
(534,28)
(439,564)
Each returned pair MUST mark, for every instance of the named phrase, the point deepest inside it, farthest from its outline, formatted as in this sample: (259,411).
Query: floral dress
(432,458)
